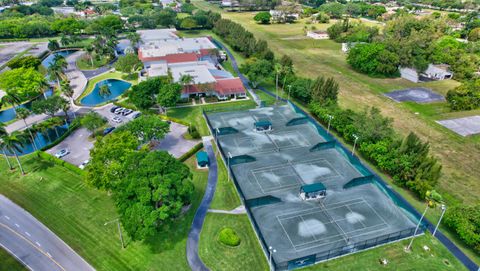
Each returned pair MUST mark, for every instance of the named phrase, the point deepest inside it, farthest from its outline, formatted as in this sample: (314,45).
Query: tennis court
(282,161)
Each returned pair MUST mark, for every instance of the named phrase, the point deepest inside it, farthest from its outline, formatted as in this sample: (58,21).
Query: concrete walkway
(240,210)
(193,258)
(78,81)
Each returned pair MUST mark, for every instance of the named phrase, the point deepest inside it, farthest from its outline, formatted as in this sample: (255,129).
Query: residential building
(434,72)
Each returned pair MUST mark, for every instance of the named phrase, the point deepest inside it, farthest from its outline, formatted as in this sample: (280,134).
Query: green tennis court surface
(270,167)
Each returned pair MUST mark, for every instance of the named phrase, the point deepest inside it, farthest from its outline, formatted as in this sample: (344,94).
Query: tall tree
(22,83)
(104,90)
(49,106)
(68,91)
(56,69)
(325,91)
(3,133)
(13,143)
(23,113)
(169,95)
(92,121)
(53,45)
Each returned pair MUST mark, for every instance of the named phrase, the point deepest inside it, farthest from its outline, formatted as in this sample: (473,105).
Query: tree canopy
(263,17)
(146,128)
(22,82)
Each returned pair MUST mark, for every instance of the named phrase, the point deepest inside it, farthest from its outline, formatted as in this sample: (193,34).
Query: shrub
(192,130)
(229,237)
(465,221)
(191,152)
(47,157)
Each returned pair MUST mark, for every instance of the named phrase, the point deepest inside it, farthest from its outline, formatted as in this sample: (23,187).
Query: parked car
(127,112)
(108,130)
(61,153)
(116,119)
(137,115)
(119,110)
(112,110)
(84,164)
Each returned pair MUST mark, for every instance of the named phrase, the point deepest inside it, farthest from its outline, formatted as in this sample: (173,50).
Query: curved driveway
(33,244)
(193,258)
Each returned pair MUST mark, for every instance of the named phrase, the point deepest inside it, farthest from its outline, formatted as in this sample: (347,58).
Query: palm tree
(11,99)
(186,80)
(104,90)
(68,91)
(56,70)
(4,133)
(134,39)
(65,40)
(53,45)
(53,123)
(89,49)
(13,143)
(23,113)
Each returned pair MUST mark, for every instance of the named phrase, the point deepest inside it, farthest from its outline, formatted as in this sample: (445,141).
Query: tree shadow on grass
(36,164)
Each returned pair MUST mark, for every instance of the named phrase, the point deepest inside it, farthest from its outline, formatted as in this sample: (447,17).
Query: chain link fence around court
(268,168)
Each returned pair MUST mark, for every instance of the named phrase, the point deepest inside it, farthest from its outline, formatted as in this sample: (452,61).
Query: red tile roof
(229,86)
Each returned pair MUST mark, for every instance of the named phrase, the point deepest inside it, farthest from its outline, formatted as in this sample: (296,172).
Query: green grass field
(76,213)
(84,63)
(9,263)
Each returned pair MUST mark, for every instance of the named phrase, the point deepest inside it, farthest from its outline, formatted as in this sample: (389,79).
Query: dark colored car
(114,108)
(137,115)
(108,130)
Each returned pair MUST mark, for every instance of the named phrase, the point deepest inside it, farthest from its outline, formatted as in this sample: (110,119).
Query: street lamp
(444,208)
(229,156)
(271,250)
(416,229)
(217,131)
(330,117)
(119,229)
(354,143)
(289,88)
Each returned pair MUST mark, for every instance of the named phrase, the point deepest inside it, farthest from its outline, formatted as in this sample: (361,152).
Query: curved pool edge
(86,93)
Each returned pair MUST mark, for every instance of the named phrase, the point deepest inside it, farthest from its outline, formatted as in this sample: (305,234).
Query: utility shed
(202,159)
(313,191)
(263,125)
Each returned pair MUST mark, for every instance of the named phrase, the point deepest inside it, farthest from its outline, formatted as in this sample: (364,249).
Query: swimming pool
(9,114)
(117,88)
(49,59)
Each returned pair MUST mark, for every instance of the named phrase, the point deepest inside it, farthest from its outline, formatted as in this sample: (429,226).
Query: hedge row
(71,128)
(186,123)
(191,152)
(48,157)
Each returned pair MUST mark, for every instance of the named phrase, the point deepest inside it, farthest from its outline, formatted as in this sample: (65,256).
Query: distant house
(318,35)
(283,16)
(434,72)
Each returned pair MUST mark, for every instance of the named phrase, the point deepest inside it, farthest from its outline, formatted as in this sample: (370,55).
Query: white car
(84,164)
(116,119)
(61,153)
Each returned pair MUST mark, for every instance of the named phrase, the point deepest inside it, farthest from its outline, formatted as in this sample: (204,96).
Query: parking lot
(78,144)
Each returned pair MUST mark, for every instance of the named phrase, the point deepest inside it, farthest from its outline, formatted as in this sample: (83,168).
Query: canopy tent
(263,125)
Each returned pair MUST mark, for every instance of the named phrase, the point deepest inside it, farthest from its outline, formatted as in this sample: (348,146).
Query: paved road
(78,81)
(33,244)
(174,143)
(193,258)
(78,144)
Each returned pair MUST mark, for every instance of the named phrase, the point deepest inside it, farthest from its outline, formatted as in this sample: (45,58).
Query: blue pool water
(9,114)
(49,59)
(117,87)
(42,139)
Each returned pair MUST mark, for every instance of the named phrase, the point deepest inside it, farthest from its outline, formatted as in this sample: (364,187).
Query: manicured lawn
(246,256)
(437,258)
(9,263)
(84,63)
(193,114)
(108,75)
(226,196)
(61,200)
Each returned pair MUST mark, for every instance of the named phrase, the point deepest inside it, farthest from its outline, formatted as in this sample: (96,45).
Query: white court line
(281,187)
(7,217)
(38,244)
(342,203)
(313,235)
(286,233)
(376,213)
(16,225)
(28,234)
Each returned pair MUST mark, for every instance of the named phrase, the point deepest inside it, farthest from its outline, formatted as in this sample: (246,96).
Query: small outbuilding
(263,125)
(313,191)
(202,159)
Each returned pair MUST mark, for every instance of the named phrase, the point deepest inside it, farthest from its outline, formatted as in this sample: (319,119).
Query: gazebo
(263,125)
(202,159)
(313,191)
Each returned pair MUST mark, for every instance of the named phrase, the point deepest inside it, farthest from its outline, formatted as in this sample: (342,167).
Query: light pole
(354,144)
(444,208)
(229,156)
(216,139)
(330,117)
(119,230)
(289,88)
(416,229)
(271,251)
